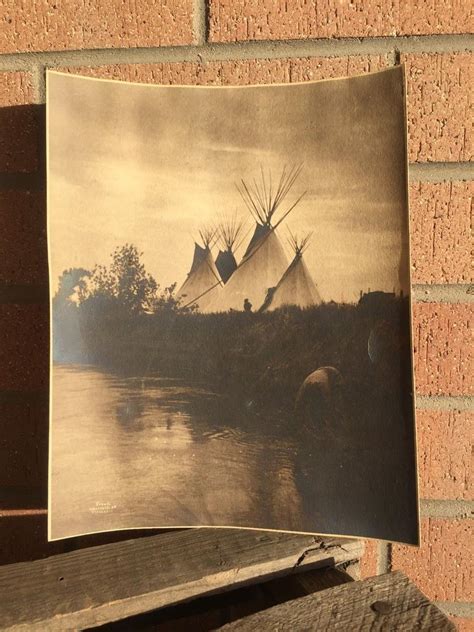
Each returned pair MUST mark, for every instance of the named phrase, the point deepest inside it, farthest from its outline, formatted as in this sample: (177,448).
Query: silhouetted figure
(247,305)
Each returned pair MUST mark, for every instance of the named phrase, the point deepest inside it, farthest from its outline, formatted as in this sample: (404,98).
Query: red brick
(48,25)
(19,123)
(462,624)
(23,237)
(24,343)
(423,17)
(368,562)
(440,89)
(443,349)
(241,72)
(20,131)
(15,88)
(444,454)
(440,216)
(299,69)
(442,566)
(23,446)
(239,20)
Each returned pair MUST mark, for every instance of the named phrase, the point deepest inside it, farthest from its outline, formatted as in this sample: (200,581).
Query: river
(129,452)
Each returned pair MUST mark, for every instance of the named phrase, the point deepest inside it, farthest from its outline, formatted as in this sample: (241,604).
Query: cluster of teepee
(264,279)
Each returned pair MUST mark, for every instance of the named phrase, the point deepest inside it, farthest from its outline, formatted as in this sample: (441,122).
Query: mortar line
(263,49)
(457,608)
(200,22)
(418,172)
(436,293)
(451,294)
(22,513)
(383,557)
(38,83)
(41,82)
(443,293)
(384,549)
(446,508)
(440,171)
(435,402)
(444,402)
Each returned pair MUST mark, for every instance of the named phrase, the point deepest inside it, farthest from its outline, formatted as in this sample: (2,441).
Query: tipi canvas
(296,286)
(264,261)
(203,282)
(257,272)
(229,239)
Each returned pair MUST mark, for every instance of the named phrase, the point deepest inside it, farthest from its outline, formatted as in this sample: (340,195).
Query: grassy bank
(261,357)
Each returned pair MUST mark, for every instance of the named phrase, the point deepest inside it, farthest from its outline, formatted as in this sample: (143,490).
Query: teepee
(296,287)
(264,261)
(203,281)
(229,239)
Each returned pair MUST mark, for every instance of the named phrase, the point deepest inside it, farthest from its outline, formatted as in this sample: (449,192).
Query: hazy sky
(149,165)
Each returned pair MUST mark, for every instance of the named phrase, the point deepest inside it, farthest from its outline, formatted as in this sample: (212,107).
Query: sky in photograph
(150,165)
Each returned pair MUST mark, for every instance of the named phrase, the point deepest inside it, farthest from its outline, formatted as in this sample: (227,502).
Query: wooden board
(107,583)
(387,602)
(211,612)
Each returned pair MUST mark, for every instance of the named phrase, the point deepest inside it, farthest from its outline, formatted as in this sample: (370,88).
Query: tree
(166,301)
(72,290)
(72,286)
(125,284)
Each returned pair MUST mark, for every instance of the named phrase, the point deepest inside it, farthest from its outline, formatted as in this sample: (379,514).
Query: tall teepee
(203,281)
(296,287)
(230,236)
(264,261)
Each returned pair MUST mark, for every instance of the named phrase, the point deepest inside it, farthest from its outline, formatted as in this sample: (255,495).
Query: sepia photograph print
(230,307)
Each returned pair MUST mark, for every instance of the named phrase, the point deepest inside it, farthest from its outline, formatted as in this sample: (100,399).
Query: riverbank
(261,357)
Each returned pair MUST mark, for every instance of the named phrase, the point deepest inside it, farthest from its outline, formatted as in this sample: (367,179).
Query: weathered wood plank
(211,612)
(322,579)
(107,583)
(387,602)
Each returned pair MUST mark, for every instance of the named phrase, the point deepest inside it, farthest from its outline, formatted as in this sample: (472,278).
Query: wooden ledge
(386,602)
(107,583)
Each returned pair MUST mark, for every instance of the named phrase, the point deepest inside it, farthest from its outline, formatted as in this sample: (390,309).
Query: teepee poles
(298,244)
(263,200)
(230,233)
(209,236)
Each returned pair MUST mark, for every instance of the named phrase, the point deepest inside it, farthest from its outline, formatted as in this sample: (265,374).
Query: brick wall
(240,42)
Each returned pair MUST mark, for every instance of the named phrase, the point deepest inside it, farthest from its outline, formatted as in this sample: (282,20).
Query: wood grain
(386,602)
(101,584)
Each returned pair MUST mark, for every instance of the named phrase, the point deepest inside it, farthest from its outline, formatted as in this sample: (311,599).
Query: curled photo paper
(230,307)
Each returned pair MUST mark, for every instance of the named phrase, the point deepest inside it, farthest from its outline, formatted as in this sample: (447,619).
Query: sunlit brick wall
(240,42)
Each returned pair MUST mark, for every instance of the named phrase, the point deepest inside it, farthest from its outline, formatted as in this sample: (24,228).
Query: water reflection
(156,452)
(130,452)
